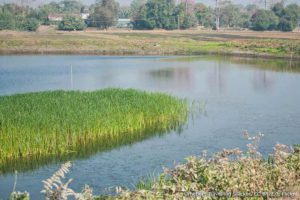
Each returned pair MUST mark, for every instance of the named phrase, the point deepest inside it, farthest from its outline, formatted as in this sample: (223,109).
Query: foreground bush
(71,23)
(229,174)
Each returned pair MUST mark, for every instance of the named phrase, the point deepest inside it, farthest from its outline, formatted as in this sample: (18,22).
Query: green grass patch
(58,123)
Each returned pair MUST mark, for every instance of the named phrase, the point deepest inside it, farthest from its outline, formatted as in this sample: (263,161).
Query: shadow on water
(197,109)
(280,65)
(89,148)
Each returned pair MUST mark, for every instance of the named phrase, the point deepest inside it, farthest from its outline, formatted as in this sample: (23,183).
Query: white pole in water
(72,77)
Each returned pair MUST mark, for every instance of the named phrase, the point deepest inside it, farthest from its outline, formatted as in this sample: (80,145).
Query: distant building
(55,17)
(124,23)
(84,13)
(60,17)
(84,16)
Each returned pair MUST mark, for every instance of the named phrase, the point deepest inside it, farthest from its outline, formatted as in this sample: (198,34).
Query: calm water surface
(241,94)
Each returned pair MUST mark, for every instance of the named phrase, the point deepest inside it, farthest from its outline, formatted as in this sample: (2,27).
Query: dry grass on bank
(157,42)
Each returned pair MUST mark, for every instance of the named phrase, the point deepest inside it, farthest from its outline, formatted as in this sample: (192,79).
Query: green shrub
(71,23)
(31,24)
(228,172)
(264,20)
(7,21)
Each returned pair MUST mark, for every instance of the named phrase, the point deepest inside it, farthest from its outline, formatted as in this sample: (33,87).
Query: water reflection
(93,147)
(282,65)
(186,78)
(258,95)
(217,78)
(263,81)
(180,78)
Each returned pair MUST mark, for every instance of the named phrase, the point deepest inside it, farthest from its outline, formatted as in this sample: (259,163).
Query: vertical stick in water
(72,77)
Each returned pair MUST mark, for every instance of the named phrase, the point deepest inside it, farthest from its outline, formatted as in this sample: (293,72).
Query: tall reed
(58,123)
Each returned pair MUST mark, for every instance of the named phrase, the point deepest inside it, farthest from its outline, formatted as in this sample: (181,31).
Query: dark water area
(251,94)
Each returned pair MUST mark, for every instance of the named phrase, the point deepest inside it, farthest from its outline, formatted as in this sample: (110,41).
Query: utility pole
(186,7)
(217,14)
(265,4)
(178,21)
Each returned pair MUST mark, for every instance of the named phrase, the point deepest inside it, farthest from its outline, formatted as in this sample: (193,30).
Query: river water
(240,94)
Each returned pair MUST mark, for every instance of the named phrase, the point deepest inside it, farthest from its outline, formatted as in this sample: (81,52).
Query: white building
(84,16)
(124,23)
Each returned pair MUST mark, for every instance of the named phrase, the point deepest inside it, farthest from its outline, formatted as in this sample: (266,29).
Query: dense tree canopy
(124,12)
(105,14)
(162,14)
(14,17)
(264,20)
(71,23)
(156,14)
(204,15)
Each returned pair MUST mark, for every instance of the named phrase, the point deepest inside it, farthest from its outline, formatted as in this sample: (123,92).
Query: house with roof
(124,23)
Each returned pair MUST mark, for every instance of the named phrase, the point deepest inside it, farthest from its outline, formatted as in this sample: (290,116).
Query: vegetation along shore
(229,174)
(36,126)
(151,28)
(247,43)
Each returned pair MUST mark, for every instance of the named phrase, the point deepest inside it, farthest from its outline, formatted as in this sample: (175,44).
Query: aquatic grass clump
(58,123)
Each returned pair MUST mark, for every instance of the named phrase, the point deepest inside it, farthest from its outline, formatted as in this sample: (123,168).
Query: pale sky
(127,2)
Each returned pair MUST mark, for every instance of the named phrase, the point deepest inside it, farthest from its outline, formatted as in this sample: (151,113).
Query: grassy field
(35,126)
(192,42)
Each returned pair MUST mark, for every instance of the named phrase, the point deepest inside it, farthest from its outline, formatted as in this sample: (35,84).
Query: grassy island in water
(58,123)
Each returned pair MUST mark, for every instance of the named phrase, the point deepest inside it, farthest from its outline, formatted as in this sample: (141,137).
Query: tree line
(153,14)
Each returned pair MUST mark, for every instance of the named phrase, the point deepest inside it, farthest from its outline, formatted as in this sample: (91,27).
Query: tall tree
(105,13)
(185,13)
(135,8)
(217,14)
(71,6)
(233,15)
(124,12)
(264,20)
(204,15)
(156,14)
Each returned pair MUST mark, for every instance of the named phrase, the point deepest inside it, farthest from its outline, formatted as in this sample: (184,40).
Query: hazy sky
(127,2)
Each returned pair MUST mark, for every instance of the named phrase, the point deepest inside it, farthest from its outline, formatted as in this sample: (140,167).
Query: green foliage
(65,6)
(124,12)
(185,17)
(31,24)
(7,21)
(159,14)
(286,25)
(264,20)
(105,14)
(13,17)
(139,14)
(289,16)
(19,196)
(278,9)
(294,159)
(71,6)
(204,15)
(229,172)
(40,125)
(146,183)
(136,7)
(233,16)
(163,15)
(71,23)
